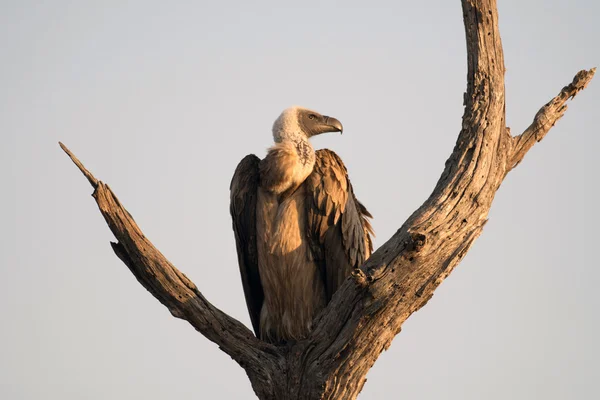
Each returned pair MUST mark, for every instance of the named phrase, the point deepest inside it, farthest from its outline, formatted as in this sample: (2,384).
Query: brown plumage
(299,228)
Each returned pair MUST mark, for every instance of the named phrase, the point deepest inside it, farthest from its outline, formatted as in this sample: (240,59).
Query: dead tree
(369,308)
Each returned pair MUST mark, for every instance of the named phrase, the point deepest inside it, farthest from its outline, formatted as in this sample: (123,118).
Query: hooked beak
(334,124)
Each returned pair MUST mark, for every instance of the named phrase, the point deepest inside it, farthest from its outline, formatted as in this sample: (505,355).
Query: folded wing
(339,227)
(244,189)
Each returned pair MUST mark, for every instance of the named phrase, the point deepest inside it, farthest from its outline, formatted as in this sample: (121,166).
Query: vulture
(299,229)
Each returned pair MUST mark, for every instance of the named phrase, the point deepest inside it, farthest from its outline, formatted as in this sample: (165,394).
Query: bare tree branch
(401,276)
(369,309)
(547,116)
(172,288)
(93,181)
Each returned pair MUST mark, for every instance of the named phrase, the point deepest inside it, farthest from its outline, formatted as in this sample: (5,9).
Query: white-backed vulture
(299,229)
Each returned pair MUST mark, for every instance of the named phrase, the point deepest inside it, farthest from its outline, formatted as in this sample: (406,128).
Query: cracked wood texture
(368,310)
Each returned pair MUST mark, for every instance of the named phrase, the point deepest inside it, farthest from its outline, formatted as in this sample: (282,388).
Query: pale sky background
(162,99)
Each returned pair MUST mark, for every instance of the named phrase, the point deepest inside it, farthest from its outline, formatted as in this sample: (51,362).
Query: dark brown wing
(244,186)
(340,232)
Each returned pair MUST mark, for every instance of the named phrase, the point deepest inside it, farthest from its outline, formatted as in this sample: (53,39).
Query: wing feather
(243,192)
(340,232)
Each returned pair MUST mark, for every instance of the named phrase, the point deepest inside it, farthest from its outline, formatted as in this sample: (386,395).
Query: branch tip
(93,181)
(547,116)
(580,81)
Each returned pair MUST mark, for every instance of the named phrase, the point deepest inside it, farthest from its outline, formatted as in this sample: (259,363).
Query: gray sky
(161,100)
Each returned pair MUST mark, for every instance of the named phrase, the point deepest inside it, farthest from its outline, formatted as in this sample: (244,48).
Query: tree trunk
(368,310)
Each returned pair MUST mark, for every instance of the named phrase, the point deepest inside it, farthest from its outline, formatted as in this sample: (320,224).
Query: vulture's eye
(312,116)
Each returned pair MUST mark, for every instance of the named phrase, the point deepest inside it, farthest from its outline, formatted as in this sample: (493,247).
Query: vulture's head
(296,121)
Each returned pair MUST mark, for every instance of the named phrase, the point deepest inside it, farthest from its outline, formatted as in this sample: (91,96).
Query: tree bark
(368,310)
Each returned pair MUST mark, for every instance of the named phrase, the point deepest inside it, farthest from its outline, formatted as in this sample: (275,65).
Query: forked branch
(369,309)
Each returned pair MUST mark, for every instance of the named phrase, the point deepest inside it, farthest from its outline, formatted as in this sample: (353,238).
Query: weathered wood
(174,290)
(547,116)
(368,310)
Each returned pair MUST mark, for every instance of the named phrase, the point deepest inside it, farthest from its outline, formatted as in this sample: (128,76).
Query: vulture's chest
(281,226)
(293,287)
(286,166)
